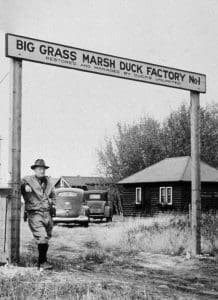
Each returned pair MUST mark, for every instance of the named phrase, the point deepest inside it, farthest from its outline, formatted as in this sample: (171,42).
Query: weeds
(76,251)
(167,234)
(209,231)
(34,285)
(94,256)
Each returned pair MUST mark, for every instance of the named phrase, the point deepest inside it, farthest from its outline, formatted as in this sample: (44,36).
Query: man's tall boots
(42,260)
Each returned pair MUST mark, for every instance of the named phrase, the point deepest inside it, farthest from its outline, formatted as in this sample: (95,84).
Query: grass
(66,288)
(168,234)
(89,263)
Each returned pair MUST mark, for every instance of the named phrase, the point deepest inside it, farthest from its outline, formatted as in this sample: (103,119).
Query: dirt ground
(77,257)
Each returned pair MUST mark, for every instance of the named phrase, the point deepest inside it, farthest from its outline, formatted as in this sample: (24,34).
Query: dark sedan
(99,207)
(70,207)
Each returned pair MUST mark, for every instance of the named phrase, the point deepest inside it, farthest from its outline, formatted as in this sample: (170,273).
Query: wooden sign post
(14,202)
(25,48)
(0,161)
(195,174)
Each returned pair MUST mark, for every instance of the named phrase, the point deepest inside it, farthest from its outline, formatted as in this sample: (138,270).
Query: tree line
(146,141)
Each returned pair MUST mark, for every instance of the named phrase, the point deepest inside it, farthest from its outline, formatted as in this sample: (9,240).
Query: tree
(176,136)
(209,135)
(135,147)
(138,145)
(176,133)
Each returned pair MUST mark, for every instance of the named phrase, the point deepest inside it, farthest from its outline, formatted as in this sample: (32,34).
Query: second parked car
(99,207)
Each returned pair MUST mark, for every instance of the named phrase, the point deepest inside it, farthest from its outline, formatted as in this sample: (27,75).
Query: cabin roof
(171,170)
(84,180)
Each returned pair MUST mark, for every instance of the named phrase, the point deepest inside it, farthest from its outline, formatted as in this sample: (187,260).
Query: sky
(66,114)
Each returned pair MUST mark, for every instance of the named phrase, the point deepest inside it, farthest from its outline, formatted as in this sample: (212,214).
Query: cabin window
(138,195)
(166,193)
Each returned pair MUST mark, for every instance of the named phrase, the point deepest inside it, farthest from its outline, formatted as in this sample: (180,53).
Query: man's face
(39,172)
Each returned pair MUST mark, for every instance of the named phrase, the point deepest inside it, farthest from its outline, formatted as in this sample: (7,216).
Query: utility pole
(195,174)
(14,201)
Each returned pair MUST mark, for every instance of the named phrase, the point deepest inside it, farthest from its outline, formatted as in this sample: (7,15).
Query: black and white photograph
(108,149)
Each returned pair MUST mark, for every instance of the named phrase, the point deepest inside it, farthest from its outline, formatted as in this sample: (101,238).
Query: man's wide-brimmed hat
(39,163)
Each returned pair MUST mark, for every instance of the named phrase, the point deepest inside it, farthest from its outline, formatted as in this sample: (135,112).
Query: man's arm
(22,185)
(25,188)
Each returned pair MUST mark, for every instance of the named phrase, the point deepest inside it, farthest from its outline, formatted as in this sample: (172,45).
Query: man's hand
(28,188)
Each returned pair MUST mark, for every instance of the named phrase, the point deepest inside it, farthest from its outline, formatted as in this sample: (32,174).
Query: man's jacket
(38,199)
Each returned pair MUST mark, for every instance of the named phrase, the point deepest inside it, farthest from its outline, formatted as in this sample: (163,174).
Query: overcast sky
(66,114)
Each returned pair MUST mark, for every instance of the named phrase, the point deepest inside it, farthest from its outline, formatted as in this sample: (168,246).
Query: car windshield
(67,194)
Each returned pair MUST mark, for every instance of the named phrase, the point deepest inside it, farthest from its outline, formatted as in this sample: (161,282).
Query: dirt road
(78,257)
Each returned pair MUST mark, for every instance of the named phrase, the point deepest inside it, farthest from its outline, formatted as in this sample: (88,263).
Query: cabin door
(147,201)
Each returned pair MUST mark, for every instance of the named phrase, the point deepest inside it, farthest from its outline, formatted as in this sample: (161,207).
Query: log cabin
(166,186)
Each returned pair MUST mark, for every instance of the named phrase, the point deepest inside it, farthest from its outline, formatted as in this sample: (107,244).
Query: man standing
(39,197)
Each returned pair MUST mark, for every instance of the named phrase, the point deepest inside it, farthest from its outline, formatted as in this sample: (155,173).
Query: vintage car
(70,207)
(99,207)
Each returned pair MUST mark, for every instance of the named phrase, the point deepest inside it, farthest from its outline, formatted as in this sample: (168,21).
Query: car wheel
(109,219)
(86,224)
